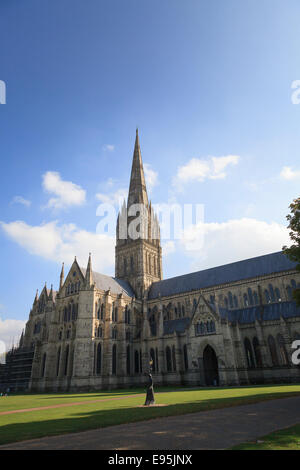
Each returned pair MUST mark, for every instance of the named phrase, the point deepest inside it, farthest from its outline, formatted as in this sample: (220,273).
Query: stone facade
(228,325)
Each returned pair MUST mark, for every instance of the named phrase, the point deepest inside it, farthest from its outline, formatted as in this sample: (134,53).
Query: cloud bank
(66,193)
(62,242)
(201,169)
(214,244)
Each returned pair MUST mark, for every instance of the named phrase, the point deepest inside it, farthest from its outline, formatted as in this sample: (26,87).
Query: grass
(285,439)
(29,425)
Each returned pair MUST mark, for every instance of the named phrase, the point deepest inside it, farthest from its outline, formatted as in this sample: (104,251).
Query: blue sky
(201,79)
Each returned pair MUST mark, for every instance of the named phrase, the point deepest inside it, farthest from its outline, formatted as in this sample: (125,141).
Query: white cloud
(219,165)
(114,198)
(67,193)
(61,243)
(200,170)
(108,147)
(21,200)
(168,247)
(288,174)
(10,330)
(151,177)
(214,244)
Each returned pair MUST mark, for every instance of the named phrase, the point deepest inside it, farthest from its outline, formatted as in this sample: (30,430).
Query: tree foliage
(293,252)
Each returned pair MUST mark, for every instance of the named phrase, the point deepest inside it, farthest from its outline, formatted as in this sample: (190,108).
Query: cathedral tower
(138,250)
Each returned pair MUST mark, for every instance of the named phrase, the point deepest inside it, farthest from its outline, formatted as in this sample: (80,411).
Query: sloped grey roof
(267,312)
(116,286)
(249,268)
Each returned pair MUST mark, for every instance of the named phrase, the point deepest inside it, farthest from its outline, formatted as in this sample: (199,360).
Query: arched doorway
(210,363)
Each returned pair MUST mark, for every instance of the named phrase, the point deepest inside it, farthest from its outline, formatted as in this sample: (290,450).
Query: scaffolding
(15,374)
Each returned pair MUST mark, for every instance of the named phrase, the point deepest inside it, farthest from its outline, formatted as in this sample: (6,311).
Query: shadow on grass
(100,394)
(158,389)
(83,420)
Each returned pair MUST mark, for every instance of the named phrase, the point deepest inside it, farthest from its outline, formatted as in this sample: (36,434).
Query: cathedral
(228,325)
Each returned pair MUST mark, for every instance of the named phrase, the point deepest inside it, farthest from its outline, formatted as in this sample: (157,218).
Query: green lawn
(285,439)
(29,425)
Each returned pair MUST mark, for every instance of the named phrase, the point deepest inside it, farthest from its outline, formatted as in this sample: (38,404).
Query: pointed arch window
(136,362)
(250,296)
(114,359)
(128,367)
(168,359)
(174,358)
(273,350)
(289,293)
(257,353)
(272,294)
(277,294)
(267,296)
(69,311)
(152,323)
(74,311)
(185,357)
(114,333)
(152,358)
(284,359)
(58,361)
(255,298)
(99,359)
(66,360)
(230,299)
(249,354)
(141,362)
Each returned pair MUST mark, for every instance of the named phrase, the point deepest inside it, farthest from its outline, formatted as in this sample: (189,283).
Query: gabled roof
(246,269)
(116,286)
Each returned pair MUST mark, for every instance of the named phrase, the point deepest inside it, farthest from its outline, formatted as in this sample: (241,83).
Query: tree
(293,252)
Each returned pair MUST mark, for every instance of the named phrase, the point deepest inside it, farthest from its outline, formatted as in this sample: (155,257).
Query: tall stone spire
(138,252)
(51,293)
(89,273)
(137,188)
(36,297)
(62,277)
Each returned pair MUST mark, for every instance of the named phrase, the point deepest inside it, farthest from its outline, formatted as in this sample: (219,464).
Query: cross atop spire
(137,189)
